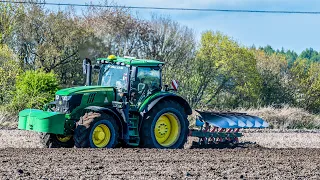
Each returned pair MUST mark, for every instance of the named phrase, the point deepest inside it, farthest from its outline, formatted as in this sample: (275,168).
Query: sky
(290,31)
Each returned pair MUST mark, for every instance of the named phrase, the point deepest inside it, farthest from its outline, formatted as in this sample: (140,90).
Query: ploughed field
(276,155)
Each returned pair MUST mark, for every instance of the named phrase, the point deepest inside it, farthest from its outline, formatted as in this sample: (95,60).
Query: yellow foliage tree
(307,84)
(223,70)
(9,69)
(273,70)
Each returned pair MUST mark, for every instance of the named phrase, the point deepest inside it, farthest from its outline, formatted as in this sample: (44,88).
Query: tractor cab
(134,78)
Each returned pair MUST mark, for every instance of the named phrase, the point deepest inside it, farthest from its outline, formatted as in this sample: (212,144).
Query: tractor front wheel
(96,130)
(56,140)
(164,126)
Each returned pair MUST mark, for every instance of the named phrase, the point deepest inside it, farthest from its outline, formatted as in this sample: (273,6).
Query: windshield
(114,76)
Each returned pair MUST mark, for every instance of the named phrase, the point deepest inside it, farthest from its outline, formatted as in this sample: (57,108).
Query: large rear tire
(96,130)
(56,141)
(164,126)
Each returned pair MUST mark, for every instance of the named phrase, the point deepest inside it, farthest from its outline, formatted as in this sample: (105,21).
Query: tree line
(41,50)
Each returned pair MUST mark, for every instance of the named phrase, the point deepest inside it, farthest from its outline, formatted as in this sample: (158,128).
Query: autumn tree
(273,70)
(7,21)
(49,41)
(307,84)
(223,73)
(117,32)
(172,43)
(9,69)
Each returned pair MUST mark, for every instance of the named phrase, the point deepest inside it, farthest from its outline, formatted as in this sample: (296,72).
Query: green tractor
(129,106)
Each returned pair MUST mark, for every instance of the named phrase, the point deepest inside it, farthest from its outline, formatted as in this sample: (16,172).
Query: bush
(33,90)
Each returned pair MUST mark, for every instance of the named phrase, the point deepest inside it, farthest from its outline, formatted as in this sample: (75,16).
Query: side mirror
(96,67)
(141,87)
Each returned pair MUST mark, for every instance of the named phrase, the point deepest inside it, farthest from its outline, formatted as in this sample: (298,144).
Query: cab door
(147,81)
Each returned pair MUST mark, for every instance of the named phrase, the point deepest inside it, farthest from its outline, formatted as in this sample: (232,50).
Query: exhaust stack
(87,69)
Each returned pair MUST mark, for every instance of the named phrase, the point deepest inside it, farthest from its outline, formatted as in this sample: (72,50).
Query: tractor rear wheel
(96,130)
(56,140)
(164,126)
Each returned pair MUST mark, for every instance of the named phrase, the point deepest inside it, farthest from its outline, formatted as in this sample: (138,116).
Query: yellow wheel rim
(167,129)
(101,135)
(64,139)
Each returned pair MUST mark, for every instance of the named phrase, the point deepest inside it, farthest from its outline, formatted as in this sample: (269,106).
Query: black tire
(87,123)
(147,136)
(51,141)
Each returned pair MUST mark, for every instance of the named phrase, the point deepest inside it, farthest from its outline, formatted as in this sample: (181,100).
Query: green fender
(152,100)
(112,112)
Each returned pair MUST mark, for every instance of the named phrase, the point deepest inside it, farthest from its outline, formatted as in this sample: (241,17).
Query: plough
(223,127)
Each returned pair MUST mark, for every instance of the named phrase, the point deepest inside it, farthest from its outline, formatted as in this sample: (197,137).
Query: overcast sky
(291,31)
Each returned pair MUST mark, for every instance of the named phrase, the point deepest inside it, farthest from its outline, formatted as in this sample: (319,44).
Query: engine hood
(82,89)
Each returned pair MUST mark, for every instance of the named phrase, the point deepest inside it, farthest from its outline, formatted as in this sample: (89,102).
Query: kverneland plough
(129,106)
(223,127)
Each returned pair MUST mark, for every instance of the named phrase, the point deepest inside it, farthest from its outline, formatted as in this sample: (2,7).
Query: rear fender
(112,112)
(153,100)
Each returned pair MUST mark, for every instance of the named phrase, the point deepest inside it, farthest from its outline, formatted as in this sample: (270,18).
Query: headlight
(66,104)
(66,98)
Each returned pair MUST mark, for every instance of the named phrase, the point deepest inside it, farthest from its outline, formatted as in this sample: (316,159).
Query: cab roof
(130,61)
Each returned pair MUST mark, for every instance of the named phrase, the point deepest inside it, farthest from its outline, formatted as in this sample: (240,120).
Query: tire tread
(145,133)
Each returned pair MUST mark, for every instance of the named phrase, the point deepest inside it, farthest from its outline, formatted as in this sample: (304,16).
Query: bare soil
(21,157)
(243,163)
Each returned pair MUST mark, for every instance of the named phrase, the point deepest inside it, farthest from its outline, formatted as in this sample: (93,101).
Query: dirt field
(267,139)
(21,157)
(160,164)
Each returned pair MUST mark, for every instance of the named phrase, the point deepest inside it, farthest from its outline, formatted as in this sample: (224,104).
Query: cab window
(150,76)
(147,81)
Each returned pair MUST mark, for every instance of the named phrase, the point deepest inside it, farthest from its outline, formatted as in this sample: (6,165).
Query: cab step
(133,125)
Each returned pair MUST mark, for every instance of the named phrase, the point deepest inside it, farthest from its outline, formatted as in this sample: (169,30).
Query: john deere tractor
(128,106)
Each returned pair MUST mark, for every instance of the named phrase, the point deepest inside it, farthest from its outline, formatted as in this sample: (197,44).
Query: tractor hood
(82,89)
